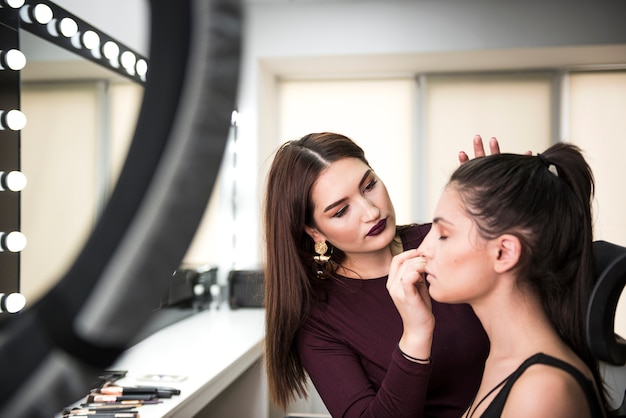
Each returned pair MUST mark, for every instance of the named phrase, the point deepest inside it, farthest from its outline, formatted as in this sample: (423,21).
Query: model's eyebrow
(365,176)
(439,219)
(340,201)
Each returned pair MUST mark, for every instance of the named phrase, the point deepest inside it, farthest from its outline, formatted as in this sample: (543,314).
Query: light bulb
(12,302)
(14,181)
(42,13)
(141,67)
(12,59)
(13,242)
(128,60)
(13,120)
(68,27)
(90,39)
(15,4)
(110,50)
(52,27)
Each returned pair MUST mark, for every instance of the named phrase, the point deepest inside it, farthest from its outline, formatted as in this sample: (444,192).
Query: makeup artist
(331,235)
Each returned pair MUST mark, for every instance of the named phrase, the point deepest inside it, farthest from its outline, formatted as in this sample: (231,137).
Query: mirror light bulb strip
(13,181)
(12,302)
(51,22)
(13,242)
(14,120)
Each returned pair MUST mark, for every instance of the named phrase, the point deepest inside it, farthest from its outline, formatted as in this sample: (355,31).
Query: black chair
(608,347)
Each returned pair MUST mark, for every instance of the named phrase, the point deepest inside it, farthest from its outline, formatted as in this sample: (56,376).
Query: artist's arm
(339,378)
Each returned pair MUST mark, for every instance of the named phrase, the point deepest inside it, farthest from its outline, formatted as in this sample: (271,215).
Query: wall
(336,39)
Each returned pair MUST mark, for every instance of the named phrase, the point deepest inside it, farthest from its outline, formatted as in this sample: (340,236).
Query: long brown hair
(290,278)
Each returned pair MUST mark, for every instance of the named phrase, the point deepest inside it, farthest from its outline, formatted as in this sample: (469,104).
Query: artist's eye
(341,212)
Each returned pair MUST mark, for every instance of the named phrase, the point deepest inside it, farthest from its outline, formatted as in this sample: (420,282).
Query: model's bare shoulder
(544,391)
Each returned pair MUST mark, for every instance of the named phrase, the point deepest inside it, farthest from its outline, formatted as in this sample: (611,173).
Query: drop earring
(321,248)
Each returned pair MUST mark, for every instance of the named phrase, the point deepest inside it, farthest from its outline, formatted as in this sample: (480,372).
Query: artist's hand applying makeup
(408,290)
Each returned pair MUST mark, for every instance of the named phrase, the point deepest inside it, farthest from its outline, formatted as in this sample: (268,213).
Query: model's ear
(316,235)
(509,250)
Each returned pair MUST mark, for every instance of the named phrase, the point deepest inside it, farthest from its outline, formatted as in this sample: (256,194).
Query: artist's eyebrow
(340,201)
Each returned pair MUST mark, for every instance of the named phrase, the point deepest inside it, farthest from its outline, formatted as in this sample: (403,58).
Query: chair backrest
(608,347)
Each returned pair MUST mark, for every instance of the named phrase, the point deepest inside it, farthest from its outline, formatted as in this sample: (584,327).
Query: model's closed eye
(369,186)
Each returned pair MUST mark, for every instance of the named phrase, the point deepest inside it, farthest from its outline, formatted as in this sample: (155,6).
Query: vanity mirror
(72,153)
(80,89)
(87,319)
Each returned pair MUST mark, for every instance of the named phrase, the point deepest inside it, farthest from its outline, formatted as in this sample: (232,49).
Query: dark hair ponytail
(567,304)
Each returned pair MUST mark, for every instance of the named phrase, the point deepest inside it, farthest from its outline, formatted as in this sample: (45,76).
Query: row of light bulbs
(14,241)
(12,181)
(68,27)
(14,120)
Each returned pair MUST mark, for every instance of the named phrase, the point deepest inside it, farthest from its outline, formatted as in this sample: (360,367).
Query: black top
(494,409)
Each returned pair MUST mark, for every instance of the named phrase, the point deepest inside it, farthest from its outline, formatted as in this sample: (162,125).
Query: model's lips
(378,228)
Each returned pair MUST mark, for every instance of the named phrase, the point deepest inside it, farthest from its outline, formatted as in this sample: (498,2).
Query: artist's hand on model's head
(479,149)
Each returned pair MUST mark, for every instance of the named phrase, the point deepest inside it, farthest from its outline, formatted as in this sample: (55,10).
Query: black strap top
(495,408)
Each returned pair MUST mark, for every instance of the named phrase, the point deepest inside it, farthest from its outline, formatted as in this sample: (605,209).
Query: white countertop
(208,351)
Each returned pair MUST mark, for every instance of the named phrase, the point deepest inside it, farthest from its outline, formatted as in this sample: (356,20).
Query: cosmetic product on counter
(110,399)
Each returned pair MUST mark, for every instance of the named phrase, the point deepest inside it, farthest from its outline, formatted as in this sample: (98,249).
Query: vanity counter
(202,355)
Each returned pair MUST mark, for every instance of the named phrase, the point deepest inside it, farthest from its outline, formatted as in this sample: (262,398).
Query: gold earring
(321,248)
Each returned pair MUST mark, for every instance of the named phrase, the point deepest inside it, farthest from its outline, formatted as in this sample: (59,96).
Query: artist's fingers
(494,146)
(396,267)
(412,272)
(479,149)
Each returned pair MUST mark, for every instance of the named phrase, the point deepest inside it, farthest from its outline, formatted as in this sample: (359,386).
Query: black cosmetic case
(246,289)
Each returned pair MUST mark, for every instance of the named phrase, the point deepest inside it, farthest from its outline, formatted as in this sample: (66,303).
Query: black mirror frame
(51,353)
